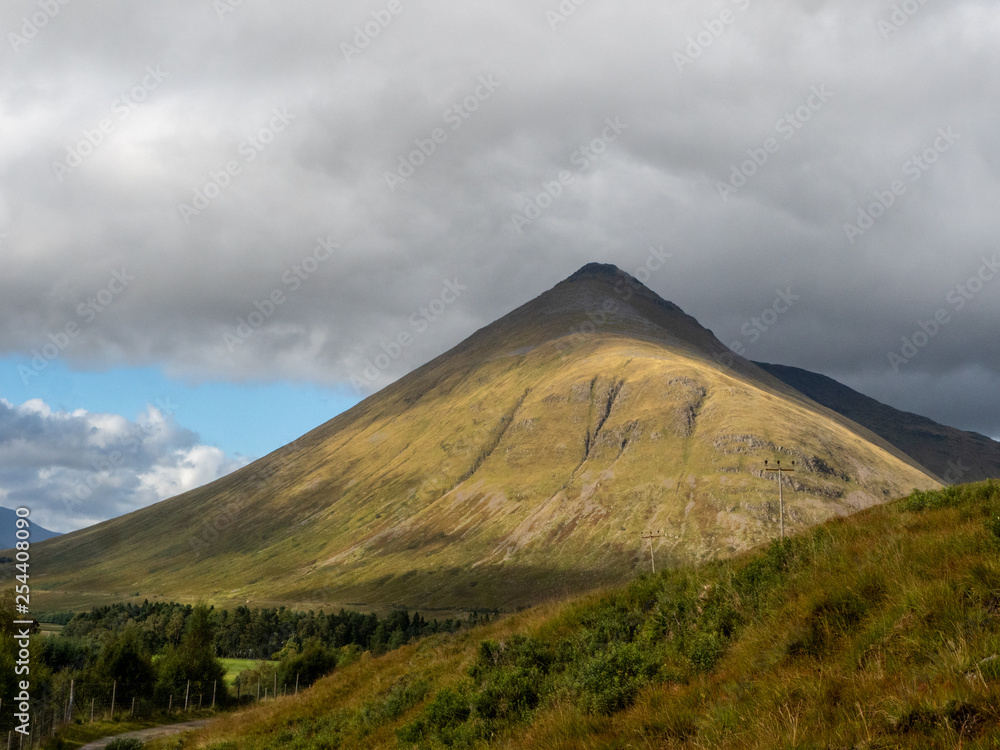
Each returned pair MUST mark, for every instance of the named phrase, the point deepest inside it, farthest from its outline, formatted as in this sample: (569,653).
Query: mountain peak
(604,270)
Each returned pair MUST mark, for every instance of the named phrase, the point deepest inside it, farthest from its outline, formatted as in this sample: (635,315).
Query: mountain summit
(526,462)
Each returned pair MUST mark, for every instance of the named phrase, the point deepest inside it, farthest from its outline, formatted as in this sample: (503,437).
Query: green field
(236,666)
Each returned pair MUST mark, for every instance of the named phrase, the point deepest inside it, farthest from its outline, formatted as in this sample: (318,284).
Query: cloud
(276,137)
(73,469)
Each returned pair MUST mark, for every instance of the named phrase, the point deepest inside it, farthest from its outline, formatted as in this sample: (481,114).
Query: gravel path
(148,734)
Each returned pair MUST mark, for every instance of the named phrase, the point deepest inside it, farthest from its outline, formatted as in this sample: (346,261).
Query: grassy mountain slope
(881,630)
(521,465)
(954,455)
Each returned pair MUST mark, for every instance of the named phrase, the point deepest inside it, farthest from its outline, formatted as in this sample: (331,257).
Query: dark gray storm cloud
(289,185)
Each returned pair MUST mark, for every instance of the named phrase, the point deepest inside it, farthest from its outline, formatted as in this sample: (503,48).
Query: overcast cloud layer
(264,191)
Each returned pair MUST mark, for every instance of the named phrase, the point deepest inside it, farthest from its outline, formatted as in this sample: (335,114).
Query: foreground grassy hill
(524,464)
(881,630)
(521,465)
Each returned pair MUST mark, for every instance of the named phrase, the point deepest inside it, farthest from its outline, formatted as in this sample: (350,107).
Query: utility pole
(781,503)
(651,535)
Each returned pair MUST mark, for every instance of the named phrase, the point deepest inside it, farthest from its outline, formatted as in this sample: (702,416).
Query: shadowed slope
(953,454)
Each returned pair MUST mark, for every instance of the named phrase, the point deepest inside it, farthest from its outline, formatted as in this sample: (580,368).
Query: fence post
(92,710)
(132,712)
(296,683)
(114,689)
(213,692)
(187,693)
(69,711)
(258,688)
(170,705)
(275,693)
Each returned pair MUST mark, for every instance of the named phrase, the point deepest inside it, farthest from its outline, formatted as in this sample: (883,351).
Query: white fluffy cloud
(76,468)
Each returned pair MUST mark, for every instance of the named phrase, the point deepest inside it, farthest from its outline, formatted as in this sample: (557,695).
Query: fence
(83,703)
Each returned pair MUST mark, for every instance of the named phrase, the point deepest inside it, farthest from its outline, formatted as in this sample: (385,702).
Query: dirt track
(148,734)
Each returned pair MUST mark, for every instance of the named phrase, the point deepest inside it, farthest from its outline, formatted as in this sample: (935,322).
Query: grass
(881,630)
(235,667)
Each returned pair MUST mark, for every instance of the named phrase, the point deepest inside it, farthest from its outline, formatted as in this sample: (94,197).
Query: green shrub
(509,694)
(704,649)
(611,622)
(125,743)
(952,496)
(449,708)
(610,681)
(308,665)
(519,651)
(759,577)
(444,720)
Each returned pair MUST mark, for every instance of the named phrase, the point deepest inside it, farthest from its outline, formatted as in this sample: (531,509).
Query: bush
(520,651)
(444,719)
(611,680)
(704,649)
(509,694)
(952,496)
(125,743)
(449,708)
(611,622)
(308,665)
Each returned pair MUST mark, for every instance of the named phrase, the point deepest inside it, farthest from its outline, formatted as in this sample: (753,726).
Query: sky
(216,216)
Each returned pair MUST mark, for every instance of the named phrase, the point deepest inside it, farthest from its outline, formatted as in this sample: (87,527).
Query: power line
(781,503)
(650,535)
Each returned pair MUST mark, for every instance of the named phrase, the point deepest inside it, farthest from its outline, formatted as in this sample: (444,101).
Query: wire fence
(81,703)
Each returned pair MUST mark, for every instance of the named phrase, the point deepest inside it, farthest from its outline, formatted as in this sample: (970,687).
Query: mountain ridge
(954,455)
(523,463)
(8,520)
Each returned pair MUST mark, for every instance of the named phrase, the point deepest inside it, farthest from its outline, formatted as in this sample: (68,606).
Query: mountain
(524,463)
(8,530)
(952,454)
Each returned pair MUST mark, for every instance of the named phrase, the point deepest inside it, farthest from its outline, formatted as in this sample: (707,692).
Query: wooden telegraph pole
(781,503)
(651,535)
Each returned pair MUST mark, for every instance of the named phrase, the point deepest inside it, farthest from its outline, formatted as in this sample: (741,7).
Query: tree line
(163,650)
(245,633)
